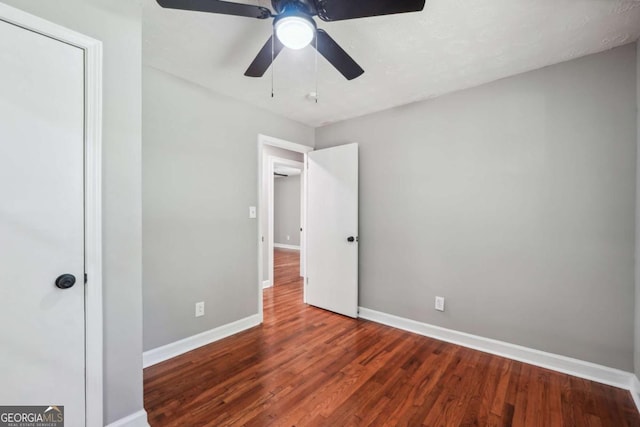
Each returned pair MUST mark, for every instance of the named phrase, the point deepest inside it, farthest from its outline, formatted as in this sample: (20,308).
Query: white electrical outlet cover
(200,309)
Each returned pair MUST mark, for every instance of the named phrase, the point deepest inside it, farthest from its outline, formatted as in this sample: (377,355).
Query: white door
(332,229)
(42,358)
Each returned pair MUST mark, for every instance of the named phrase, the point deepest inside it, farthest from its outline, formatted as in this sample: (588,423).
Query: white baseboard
(635,391)
(160,354)
(283,246)
(556,362)
(266,284)
(137,419)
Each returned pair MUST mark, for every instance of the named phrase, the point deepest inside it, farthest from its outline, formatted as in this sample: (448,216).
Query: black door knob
(351,239)
(66,281)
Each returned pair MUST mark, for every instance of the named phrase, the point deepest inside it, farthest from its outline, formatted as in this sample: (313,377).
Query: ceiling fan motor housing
(291,13)
(295,7)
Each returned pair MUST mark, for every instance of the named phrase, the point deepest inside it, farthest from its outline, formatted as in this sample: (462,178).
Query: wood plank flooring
(309,367)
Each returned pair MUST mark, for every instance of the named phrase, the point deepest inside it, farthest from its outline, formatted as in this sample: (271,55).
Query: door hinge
(263,239)
(85,278)
(307,280)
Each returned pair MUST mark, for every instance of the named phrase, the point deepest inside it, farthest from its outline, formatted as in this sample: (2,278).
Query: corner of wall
(636,335)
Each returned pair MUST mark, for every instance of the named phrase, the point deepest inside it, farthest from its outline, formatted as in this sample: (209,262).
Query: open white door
(332,229)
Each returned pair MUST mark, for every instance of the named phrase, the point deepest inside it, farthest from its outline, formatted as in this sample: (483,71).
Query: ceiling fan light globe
(295,32)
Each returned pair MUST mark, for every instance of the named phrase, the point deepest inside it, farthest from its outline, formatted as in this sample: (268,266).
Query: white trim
(137,419)
(303,224)
(283,246)
(556,362)
(280,143)
(266,284)
(93,236)
(93,198)
(635,391)
(42,26)
(303,236)
(166,352)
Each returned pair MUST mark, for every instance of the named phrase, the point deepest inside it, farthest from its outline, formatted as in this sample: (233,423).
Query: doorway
(286,207)
(329,236)
(277,155)
(285,211)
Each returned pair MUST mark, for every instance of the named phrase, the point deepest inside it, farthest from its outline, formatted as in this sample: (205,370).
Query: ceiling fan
(295,28)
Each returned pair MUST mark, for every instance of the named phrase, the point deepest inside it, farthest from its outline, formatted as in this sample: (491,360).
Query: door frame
(264,140)
(92,197)
(272,161)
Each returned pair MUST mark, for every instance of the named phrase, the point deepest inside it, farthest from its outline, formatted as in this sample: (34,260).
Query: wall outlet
(440,303)
(200,309)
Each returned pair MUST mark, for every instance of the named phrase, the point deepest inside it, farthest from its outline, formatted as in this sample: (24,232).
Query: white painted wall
(117,24)
(515,200)
(200,175)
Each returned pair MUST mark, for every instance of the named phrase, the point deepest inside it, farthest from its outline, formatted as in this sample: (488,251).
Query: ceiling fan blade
(217,6)
(337,56)
(263,60)
(337,10)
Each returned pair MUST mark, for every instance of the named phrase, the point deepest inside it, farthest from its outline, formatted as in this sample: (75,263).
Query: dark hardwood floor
(309,367)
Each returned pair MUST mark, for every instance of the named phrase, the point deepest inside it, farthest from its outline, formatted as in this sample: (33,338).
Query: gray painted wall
(117,25)
(286,207)
(514,200)
(199,164)
(637,254)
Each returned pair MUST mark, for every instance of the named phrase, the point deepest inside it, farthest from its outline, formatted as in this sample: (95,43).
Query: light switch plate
(252,212)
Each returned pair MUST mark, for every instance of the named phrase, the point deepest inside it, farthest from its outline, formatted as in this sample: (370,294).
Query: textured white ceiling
(451,45)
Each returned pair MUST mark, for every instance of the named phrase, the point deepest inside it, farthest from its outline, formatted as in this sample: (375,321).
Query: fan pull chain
(316,68)
(273,43)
